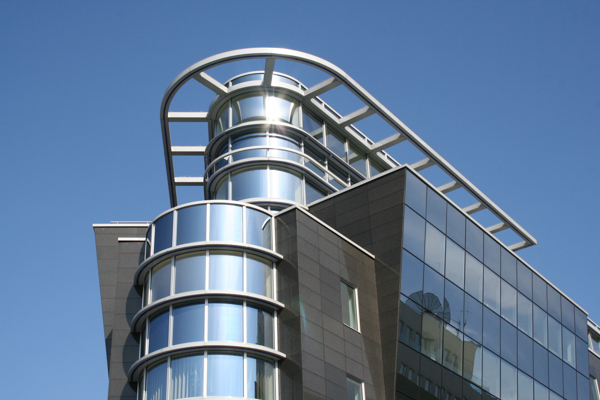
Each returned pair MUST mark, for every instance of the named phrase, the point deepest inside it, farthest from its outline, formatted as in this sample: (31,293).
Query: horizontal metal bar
(211,83)
(424,163)
(189,181)
(448,187)
(321,88)
(187,116)
(388,142)
(356,116)
(473,208)
(188,150)
(497,228)
(519,246)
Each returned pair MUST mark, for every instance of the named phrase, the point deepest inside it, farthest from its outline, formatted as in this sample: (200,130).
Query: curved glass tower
(315,266)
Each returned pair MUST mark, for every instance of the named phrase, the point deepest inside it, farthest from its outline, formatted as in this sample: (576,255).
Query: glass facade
(474,308)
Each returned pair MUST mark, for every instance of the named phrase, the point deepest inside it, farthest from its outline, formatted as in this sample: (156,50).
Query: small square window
(355,389)
(349,305)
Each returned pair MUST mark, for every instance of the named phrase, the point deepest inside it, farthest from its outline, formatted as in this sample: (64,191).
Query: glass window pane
(473,321)
(525,314)
(433,292)
(357,160)
(455,263)
(248,108)
(540,363)
(582,357)
(414,233)
(554,337)
(583,387)
(409,330)
(225,222)
(508,270)
(354,389)
(472,361)
(540,326)
(509,381)
(188,323)
(280,109)
(568,313)
(525,353)
(580,323)
(491,290)
(222,190)
(313,193)
(191,224)
(431,338)
(285,185)
(156,382)
(508,342)
(453,349)
(225,271)
(555,376)
(491,253)
(436,210)
(569,383)
(455,310)
(190,272)
(349,311)
(509,302)
(163,233)
(222,121)
(491,373)
(225,375)
(158,333)
(491,330)
(540,391)
(554,305)
(310,125)
(225,322)
(260,379)
(259,326)
(258,228)
(415,194)
(435,248)
(539,293)
(336,144)
(525,387)
(412,275)
(161,280)
(249,184)
(474,240)
(474,277)
(568,345)
(187,375)
(259,275)
(455,228)
(525,280)
(373,168)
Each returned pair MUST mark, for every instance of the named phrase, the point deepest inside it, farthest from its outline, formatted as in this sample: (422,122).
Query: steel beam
(356,116)
(188,150)
(187,116)
(189,181)
(424,163)
(321,88)
(269,67)
(388,142)
(448,187)
(211,83)
(473,208)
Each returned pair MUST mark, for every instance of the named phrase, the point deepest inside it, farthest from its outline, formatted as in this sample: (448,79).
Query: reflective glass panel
(336,144)
(225,271)
(436,210)
(409,331)
(225,222)
(582,356)
(525,353)
(509,302)
(555,376)
(248,108)
(414,233)
(313,193)
(412,276)
(431,337)
(260,326)
(354,389)
(190,272)
(435,248)
(258,228)
(416,193)
(554,337)
(158,333)
(569,383)
(222,121)
(260,379)
(225,322)
(568,314)
(491,290)
(491,254)
(259,276)
(191,224)
(187,375)
(539,292)
(309,124)
(249,184)
(540,363)
(161,280)
(455,310)
(583,387)
(508,270)
(491,330)
(474,240)
(509,381)
(285,185)
(540,391)
(453,349)
(525,315)
(473,320)
(225,375)
(357,160)
(525,279)
(508,342)
(540,326)
(249,140)
(433,292)
(472,361)
(281,109)
(525,387)
(247,78)
(156,382)
(491,373)
(222,190)
(349,312)
(374,169)
(554,305)
(568,345)
(455,263)
(188,323)
(455,228)
(163,233)
(474,277)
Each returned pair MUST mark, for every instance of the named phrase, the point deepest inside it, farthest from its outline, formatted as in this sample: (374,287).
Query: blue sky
(508,92)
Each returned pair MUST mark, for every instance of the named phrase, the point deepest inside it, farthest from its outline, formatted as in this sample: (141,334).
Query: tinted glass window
(455,263)
(582,356)
(259,276)
(568,314)
(313,193)
(409,331)
(455,310)
(569,383)
(357,160)
(188,323)
(540,363)
(540,391)
(568,344)
(491,290)
(260,379)
(354,389)
(554,337)
(225,375)
(508,388)
(525,315)
(453,349)
(491,330)
(473,320)
(525,353)
(580,323)
(225,271)
(474,277)
(475,241)
(509,267)
(249,184)
(436,210)
(433,292)
(225,222)
(473,363)
(508,342)
(525,387)
(431,339)
(285,185)
(163,233)
(191,224)
(435,248)
(414,233)
(158,333)
(455,228)
(349,311)
(309,124)
(491,254)
(539,292)
(509,302)
(525,280)
(554,303)
(540,326)
(156,382)
(190,272)
(555,377)
(336,144)
(225,322)
(187,375)
(161,280)
(412,275)
(260,326)
(258,228)
(248,108)
(416,193)
(491,373)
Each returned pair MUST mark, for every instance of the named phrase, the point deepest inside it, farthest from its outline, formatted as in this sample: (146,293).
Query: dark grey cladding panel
(594,365)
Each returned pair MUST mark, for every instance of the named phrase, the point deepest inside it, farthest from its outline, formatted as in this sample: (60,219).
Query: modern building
(317,266)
